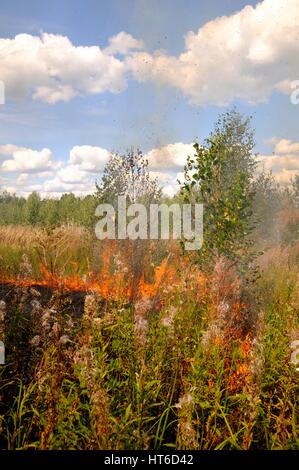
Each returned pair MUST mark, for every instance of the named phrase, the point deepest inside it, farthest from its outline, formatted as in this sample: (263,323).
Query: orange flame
(115,279)
(109,286)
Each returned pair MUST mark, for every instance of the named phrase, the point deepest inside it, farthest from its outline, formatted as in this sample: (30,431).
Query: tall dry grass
(188,363)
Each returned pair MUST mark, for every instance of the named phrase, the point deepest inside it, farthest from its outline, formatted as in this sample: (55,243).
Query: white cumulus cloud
(25,160)
(169,156)
(246,55)
(123,43)
(8,149)
(89,158)
(35,170)
(55,69)
(283,162)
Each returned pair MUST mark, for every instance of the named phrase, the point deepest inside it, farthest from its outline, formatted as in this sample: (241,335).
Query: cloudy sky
(84,78)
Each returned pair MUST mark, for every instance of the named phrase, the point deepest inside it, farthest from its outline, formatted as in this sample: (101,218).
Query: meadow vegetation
(139,345)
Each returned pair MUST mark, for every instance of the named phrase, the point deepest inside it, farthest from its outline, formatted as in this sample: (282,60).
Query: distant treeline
(275,210)
(16,210)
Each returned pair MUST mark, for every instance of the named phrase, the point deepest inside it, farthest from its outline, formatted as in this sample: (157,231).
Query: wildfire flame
(114,278)
(109,286)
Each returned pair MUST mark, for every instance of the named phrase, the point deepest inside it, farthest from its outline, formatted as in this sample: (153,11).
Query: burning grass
(106,355)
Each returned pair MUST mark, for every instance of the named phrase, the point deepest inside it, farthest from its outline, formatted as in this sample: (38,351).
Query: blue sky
(52,103)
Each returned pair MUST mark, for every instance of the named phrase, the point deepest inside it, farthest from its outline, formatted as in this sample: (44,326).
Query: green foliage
(35,211)
(32,209)
(107,390)
(294,191)
(127,175)
(176,370)
(220,176)
(11,209)
(267,203)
